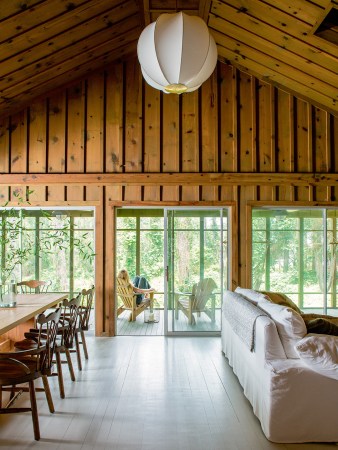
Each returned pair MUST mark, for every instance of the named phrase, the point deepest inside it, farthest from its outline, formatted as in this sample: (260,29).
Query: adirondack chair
(128,298)
(196,301)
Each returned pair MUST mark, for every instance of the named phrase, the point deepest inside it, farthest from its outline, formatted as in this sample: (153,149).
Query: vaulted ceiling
(46,44)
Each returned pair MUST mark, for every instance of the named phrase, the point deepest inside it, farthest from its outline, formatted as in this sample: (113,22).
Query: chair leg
(48,393)
(34,407)
(59,374)
(176,307)
(78,354)
(190,317)
(70,364)
(84,343)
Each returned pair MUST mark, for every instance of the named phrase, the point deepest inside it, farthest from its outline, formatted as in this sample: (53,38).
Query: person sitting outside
(140,285)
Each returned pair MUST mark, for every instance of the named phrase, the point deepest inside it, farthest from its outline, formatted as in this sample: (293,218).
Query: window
(294,252)
(56,245)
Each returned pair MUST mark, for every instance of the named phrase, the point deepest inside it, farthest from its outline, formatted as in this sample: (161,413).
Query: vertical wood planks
(322,163)
(109,270)
(265,135)
(18,149)
(247,163)
(94,131)
(334,152)
(152,134)
(133,126)
(285,141)
(247,155)
(190,141)
(303,137)
(209,133)
(37,159)
(75,137)
(4,157)
(56,143)
(227,118)
(101,311)
(18,131)
(114,126)
(170,142)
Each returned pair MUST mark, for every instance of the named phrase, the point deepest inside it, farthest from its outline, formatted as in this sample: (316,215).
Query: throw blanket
(242,316)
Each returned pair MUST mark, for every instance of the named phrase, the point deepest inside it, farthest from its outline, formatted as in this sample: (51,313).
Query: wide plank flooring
(147,393)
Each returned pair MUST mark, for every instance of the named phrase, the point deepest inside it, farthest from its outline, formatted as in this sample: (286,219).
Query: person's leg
(136,283)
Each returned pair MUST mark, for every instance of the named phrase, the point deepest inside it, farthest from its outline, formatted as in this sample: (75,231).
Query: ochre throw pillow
(281,299)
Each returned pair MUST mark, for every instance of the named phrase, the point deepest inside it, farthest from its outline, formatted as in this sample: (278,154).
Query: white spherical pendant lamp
(176,53)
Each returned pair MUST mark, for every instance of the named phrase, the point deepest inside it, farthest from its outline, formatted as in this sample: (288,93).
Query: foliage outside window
(48,245)
(288,255)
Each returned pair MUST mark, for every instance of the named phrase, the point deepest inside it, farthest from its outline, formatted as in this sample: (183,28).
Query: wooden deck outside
(140,328)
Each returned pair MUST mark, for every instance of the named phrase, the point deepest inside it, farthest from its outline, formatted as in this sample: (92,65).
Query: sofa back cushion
(320,353)
(253,296)
(281,299)
(290,325)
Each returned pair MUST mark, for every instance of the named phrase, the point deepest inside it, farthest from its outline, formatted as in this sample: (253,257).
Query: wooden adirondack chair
(196,301)
(128,297)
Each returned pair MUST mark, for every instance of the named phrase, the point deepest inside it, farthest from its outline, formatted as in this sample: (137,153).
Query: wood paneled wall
(112,139)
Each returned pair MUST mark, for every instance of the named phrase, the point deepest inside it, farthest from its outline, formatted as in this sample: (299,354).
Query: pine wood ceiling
(46,44)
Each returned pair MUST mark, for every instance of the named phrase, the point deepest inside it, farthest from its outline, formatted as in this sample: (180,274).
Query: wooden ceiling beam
(172,179)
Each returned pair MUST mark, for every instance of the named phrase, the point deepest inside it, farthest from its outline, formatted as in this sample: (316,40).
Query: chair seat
(13,369)
(25,344)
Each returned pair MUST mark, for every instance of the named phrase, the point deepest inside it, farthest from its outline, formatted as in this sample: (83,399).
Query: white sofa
(293,402)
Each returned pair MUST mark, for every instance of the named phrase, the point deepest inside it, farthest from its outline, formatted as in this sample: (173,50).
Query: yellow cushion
(282,299)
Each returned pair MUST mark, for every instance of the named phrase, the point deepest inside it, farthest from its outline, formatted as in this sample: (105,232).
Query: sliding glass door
(183,252)
(196,268)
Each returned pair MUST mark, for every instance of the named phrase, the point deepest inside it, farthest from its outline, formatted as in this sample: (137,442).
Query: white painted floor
(147,393)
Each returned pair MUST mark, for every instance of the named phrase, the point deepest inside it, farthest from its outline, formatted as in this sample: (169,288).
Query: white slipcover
(293,403)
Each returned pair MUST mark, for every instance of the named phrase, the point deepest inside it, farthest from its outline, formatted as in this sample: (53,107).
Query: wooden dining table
(15,321)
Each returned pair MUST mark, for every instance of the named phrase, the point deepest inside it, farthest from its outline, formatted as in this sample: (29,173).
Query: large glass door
(196,269)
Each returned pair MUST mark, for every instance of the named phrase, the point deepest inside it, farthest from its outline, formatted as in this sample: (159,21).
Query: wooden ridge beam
(172,179)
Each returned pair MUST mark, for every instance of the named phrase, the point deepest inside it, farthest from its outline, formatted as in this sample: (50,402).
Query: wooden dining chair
(20,367)
(87,297)
(33,286)
(66,337)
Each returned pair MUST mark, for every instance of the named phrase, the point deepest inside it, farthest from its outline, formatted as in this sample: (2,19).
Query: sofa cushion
(290,325)
(320,353)
(321,326)
(281,299)
(253,296)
